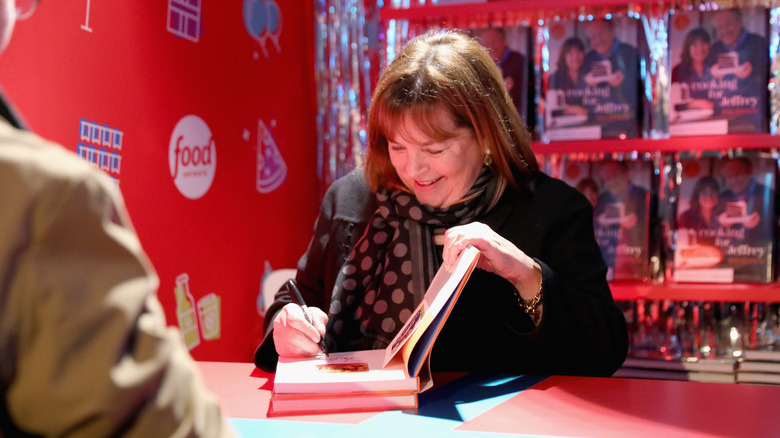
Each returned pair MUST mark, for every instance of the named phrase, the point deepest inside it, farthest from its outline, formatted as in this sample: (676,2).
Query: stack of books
(342,382)
(759,366)
(692,369)
(373,380)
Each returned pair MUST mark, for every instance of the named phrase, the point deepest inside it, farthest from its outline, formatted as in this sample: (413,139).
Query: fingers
(456,239)
(320,320)
(294,336)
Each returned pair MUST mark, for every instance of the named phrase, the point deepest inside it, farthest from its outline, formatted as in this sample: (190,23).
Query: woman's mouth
(427,183)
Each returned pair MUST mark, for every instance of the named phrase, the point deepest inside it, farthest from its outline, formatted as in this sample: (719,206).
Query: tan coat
(84,347)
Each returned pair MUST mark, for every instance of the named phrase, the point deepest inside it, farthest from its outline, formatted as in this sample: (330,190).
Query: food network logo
(192,157)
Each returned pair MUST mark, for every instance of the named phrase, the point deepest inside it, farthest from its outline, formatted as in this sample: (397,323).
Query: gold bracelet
(530,306)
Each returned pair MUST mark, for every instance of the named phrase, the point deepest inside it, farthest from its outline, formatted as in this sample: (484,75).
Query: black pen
(298,299)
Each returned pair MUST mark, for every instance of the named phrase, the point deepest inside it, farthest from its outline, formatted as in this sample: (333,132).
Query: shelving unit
(433,12)
(673,144)
(627,291)
(620,290)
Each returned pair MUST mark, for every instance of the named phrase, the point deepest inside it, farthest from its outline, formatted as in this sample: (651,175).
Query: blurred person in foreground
(449,164)
(83,340)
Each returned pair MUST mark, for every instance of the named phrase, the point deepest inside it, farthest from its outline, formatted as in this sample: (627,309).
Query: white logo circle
(192,156)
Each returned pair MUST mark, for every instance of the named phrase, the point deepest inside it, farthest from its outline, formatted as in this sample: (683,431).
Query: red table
(519,405)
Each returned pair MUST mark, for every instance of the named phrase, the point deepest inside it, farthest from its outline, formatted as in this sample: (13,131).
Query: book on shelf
(515,44)
(381,379)
(726,365)
(719,71)
(621,217)
(725,221)
(759,366)
(761,355)
(593,80)
(759,378)
(687,376)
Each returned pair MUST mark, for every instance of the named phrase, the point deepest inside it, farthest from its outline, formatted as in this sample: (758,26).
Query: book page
(441,294)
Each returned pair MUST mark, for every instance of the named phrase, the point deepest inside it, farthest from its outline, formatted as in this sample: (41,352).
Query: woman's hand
(294,336)
(497,255)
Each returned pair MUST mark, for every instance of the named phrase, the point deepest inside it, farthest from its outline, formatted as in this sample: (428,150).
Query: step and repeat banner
(203,112)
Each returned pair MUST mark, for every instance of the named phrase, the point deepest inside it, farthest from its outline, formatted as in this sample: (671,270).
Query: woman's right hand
(294,336)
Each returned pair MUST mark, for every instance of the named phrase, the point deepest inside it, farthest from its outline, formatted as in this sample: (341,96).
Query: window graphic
(184,18)
(100,145)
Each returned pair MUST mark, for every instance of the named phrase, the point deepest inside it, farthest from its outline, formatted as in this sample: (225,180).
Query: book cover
(759,378)
(414,341)
(719,71)
(621,217)
(725,221)
(343,372)
(687,376)
(510,48)
(592,82)
(304,404)
(396,368)
(725,365)
(579,174)
(759,367)
(761,355)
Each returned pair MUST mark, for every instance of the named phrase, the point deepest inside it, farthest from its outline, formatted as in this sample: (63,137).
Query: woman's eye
(435,151)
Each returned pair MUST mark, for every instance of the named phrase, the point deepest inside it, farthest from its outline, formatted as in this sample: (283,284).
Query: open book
(374,379)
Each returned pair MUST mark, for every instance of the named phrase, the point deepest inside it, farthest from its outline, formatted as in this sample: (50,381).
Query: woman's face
(708,198)
(574,58)
(699,50)
(438,173)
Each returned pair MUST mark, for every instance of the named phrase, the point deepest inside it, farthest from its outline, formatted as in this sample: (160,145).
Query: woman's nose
(416,164)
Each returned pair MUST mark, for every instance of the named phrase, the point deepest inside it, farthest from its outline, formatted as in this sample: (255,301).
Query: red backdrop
(111,80)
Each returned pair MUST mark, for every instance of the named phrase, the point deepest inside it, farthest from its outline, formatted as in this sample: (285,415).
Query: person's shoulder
(554,196)
(717,47)
(515,56)
(31,162)
(591,55)
(754,37)
(351,184)
(679,72)
(349,197)
(544,186)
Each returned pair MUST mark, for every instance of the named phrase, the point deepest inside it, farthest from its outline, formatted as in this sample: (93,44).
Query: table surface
(475,406)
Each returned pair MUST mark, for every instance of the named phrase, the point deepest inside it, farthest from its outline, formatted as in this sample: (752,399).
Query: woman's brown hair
(451,70)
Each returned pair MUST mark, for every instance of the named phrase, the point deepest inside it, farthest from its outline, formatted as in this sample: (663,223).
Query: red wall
(132,74)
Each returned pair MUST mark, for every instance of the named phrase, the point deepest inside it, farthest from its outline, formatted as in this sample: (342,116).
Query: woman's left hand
(497,255)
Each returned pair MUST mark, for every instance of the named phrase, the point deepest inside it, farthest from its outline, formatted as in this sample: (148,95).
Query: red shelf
(626,291)
(675,144)
(430,12)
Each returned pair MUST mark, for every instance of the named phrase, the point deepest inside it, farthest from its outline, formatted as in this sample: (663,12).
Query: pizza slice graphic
(271,168)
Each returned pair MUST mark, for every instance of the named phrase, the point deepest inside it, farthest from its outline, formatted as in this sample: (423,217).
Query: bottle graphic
(185,312)
(209,315)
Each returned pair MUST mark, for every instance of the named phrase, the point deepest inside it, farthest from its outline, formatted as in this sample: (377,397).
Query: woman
(569,75)
(693,69)
(703,209)
(449,164)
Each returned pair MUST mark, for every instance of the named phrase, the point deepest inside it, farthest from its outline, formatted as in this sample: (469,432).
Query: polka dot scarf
(388,271)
